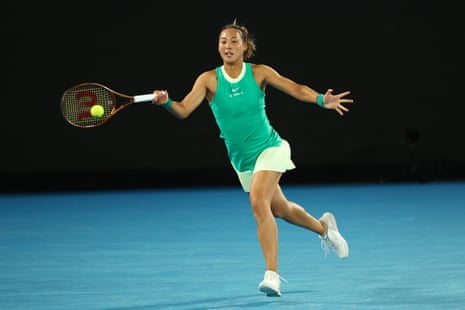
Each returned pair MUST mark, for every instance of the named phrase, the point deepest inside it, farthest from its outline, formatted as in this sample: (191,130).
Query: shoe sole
(270,292)
(346,248)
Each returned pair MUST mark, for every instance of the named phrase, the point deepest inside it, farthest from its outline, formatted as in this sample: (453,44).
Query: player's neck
(234,69)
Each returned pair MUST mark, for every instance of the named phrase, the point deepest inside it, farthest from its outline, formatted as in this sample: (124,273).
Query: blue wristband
(319,100)
(168,104)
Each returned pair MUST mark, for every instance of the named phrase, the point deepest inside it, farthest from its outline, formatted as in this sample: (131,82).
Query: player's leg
(325,226)
(294,213)
(262,188)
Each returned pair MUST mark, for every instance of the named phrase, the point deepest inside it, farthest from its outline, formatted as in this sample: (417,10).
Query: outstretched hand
(335,102)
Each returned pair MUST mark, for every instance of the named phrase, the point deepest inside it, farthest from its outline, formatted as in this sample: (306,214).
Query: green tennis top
(239,110)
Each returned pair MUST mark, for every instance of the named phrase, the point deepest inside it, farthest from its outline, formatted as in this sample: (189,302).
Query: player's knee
(260,207)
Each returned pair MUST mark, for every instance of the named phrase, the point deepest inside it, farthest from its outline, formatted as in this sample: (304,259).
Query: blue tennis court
(197,249)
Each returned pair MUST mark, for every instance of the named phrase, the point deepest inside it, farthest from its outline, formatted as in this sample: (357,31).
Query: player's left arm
(305,93)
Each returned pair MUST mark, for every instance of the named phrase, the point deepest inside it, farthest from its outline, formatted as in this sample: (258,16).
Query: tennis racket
(78,100)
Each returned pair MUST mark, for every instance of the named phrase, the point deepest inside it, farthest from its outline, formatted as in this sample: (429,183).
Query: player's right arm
(203,85)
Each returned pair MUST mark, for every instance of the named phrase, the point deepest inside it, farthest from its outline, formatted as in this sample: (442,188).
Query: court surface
(197,249)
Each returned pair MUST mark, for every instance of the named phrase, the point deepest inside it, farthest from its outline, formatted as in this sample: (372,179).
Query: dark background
(402,60)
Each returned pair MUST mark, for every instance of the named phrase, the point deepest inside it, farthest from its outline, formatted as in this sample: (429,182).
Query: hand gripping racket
(78,100)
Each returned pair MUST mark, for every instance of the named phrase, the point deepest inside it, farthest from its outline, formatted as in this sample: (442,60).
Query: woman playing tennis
(235,92)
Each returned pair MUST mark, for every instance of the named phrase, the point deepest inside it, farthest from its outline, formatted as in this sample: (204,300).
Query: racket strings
(77,102)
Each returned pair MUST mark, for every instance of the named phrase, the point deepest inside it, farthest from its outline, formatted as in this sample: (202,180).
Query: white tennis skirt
(276,158)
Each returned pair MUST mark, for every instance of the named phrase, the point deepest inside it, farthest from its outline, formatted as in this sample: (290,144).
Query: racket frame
(116,106)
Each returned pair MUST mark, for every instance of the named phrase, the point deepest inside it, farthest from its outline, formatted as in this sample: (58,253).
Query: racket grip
(143,98)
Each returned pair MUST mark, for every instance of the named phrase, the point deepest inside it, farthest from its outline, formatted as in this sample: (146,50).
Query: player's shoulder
(207,75)
(207,78)
(263,71)
(262,68)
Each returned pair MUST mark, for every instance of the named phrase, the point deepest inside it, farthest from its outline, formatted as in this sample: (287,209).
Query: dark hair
(246,36)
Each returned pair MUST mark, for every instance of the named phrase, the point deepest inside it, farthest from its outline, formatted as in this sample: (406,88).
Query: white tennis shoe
(332,238)
(271,284)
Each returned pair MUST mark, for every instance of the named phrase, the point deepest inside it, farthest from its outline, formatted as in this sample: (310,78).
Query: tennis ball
(97,110)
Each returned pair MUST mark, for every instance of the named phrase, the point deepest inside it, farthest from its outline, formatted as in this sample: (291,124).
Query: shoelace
(277,275)
(326,244)
(282,278)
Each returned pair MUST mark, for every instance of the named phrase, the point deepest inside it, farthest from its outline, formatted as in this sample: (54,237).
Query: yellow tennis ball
(97,110)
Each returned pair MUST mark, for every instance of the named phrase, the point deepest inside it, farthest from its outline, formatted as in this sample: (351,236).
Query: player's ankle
(325,229)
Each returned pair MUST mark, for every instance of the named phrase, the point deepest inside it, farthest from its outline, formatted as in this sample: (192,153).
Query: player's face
(231,46)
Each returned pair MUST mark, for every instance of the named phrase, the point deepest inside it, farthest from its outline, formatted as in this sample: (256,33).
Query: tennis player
(235,92)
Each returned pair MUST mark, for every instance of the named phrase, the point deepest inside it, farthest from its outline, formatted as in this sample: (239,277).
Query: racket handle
(143,98)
